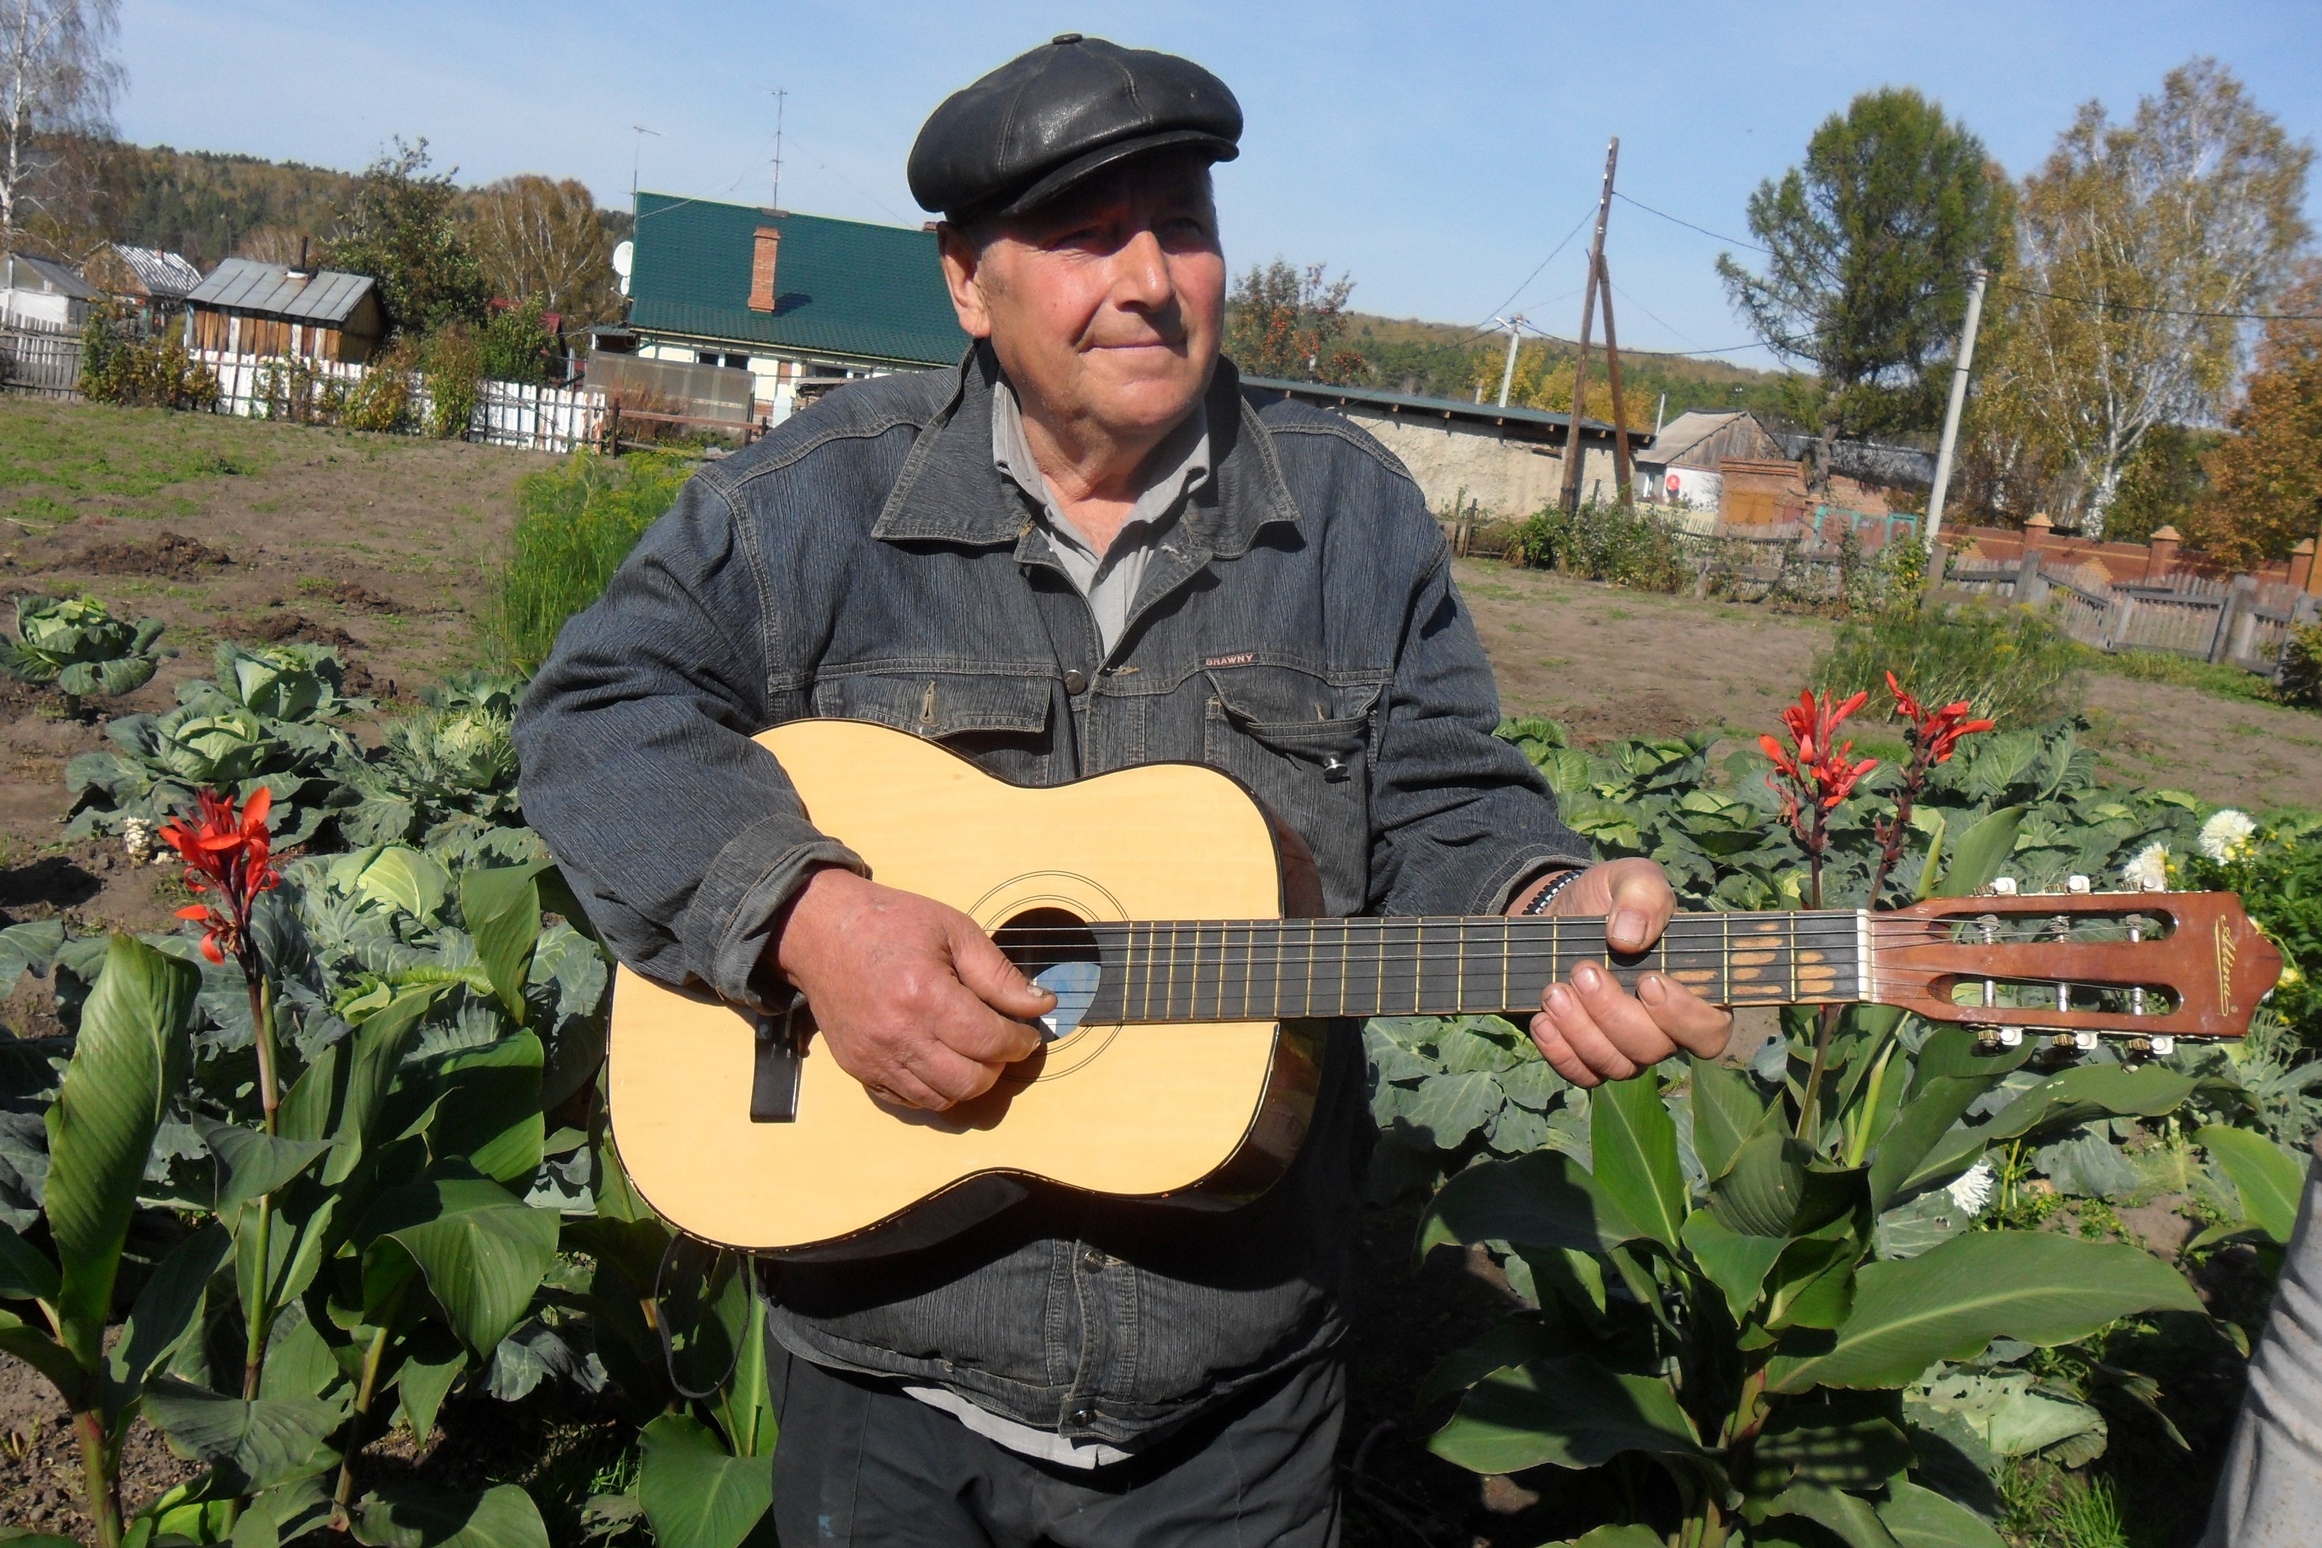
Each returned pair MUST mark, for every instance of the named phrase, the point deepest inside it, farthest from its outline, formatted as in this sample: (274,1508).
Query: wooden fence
(40,358)
(548,419)
(2240,622)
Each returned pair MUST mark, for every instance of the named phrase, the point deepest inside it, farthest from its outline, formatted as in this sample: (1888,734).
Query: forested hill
(1447,360)
(208,204)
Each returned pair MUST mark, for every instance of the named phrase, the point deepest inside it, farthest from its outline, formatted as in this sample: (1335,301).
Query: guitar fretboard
(1285,969)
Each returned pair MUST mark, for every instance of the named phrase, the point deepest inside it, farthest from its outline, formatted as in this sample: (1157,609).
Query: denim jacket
(1298,628)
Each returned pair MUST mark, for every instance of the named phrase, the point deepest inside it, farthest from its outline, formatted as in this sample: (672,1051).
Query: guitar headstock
(2149,965)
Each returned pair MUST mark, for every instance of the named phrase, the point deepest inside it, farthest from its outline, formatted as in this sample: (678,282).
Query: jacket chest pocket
(1000,719)
(1302,744)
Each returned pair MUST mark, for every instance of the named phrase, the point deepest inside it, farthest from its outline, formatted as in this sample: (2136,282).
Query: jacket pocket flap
(939,704)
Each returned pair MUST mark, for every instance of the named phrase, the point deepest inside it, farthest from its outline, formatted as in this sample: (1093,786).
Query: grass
(575,524)
(52,452)
(2013,665)
(2153,666)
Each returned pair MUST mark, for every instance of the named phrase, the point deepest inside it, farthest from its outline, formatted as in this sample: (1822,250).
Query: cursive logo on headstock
(2226,947)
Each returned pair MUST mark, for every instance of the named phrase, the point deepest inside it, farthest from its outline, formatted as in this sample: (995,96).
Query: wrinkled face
(1106,304)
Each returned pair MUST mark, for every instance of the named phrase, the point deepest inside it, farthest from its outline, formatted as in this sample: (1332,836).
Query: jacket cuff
(1522,867)
(754,878)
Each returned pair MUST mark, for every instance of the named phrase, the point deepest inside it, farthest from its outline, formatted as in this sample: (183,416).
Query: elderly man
(1081,549)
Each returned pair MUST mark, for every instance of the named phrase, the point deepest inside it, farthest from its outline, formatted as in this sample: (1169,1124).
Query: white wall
(1505,478)
(57,311)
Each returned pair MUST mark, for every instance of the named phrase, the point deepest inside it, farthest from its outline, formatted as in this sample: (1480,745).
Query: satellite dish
(624,259)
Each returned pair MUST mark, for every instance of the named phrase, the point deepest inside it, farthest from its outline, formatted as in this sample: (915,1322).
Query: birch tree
(539,239)
(2141,247)
(57,77)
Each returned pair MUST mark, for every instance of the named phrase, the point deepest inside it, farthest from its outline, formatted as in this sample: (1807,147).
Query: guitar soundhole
(1058,952)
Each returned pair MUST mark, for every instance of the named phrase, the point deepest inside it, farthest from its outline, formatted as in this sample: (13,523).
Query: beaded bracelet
(1547,895)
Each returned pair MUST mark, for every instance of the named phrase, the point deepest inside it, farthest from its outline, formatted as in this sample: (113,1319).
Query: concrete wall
(1505,477)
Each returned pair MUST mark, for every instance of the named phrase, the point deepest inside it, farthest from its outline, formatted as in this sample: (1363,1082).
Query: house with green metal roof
(793,299)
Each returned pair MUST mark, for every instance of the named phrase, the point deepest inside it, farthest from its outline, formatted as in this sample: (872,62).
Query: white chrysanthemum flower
(2148,869)
(2226,835)
(1971,1190)
(137,840)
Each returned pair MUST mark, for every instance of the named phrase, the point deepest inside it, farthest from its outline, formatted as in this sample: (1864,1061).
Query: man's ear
(963,276)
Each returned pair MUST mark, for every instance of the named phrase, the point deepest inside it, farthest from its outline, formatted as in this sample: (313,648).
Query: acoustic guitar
(1174,919)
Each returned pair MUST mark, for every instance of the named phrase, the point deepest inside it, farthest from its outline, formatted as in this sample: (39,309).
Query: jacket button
(1093,1261)
(1074,683)
(1081,1416)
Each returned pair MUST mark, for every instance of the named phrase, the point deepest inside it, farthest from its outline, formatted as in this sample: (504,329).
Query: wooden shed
(251,308)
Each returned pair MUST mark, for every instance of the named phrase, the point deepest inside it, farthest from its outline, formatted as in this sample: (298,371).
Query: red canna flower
(1935,733)
(1813,771)
(226,858)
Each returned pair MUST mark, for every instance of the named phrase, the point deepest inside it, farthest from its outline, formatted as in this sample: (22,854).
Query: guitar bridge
(774,1081)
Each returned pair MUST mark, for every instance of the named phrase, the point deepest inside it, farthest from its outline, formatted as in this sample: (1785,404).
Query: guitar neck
(1287,969)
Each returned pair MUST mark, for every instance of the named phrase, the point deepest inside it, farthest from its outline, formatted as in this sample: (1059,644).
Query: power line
(1688,225)
(2158,311)
(1488,326)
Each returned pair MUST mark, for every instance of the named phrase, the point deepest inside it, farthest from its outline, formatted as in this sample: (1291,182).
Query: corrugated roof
(1686,431)
(246,285)
(1449,408)
(60,277)
(842,287)
(162,274)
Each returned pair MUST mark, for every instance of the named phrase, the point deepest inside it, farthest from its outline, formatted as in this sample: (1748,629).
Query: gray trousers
(2270,1493)
(860,1465)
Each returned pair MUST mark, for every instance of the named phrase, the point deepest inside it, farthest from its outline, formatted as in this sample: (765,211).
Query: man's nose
(1141,274)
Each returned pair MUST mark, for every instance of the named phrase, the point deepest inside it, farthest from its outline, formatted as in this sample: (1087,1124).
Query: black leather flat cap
(1047,119)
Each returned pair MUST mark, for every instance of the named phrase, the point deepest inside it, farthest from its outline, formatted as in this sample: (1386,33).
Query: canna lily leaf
(1773,1187)
(35,1348)
(426,1376)
(2269,1178)
(1921,1518)
(169,1308)
(262,1441)
(25,1272)
(126,1066)
(696,1493)
(1835,1445)
(502,909)
(1849,1517)
(1545,1199)
(1735,1263)
(483,1251)
(252,1162)
(1509,1344)
(1726,1107)
(499,1517)
(2091,1091)
(1982,852)
(28,947)
(489,1113)
(1633,1144)
(1564,1412)
(1950,1301)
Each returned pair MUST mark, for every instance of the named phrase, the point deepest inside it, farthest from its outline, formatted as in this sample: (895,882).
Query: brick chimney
(764,247)
(2161,553)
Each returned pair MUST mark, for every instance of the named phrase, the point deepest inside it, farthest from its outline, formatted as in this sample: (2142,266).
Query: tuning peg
(2084,1041)
(2152,884)
(2076,884)
(2003,886)
(2011,1037)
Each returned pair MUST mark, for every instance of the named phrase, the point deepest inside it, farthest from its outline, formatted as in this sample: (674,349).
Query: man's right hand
(911,996)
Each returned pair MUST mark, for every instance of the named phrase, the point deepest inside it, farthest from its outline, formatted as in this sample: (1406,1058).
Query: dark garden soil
(386,547)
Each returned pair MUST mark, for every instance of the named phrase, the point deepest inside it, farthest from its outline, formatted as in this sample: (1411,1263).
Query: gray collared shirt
(1108,580)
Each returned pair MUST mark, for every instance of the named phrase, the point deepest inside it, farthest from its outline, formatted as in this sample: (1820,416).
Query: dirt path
(1611,663)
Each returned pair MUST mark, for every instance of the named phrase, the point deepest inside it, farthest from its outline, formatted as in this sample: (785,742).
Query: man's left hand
(1590,1029)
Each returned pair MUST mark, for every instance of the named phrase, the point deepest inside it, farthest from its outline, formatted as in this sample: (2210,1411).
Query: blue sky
(1437,152)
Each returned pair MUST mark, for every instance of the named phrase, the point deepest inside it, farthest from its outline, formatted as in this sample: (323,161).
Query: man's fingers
(1559,1053)
(996,981)
(1698,1026)
(1642,904)
(1582,1034)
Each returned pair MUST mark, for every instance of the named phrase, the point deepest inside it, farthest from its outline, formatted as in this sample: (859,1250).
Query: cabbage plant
(446,778)
(79,645)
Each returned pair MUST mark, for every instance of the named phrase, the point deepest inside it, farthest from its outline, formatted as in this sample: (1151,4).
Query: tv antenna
(780,95)
(636,159)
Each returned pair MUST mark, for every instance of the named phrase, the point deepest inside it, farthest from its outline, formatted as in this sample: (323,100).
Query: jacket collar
(949,491)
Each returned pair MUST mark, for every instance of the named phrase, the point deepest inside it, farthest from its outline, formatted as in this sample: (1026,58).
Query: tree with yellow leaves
(2265,483)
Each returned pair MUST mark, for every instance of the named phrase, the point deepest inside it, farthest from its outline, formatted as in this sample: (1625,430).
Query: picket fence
(40,358)
(551,419)
(2240,622)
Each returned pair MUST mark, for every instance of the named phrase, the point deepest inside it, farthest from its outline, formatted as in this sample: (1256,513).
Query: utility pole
(1951,411)
(1571,497)
(1515,326)
(781,99)
(1622,468)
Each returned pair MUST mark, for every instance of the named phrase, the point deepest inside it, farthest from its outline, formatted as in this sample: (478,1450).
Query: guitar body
(1205,1113)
